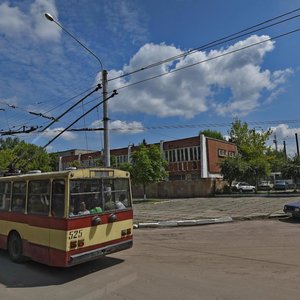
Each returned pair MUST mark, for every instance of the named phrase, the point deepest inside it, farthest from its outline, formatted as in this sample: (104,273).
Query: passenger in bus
(120,203)
(82,209)
(18,205)
(71,211)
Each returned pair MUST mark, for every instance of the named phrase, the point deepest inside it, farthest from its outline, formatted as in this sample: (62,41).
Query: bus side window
(19,196)
(58,198)
(5,190)
(38,197)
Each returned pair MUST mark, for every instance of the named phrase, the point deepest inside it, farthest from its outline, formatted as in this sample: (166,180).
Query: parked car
(292,209)
(243,187)
(265,185)
(281,185)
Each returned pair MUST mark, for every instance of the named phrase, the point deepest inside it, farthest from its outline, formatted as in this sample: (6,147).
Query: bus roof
(78,173)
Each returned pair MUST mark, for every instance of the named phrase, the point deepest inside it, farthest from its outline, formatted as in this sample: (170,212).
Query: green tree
(54,161)
(213,134)
(6,156)
(276,159)
(8,143)
(232,168)
(146,166)
(291,169)
(252,162)
(250,143)
(23,156)
(76,164)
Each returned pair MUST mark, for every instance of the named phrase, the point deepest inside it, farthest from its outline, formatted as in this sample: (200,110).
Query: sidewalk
(199,211)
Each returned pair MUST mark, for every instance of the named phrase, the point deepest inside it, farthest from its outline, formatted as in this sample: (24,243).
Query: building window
(231,153)
(166,155)
(174,156)
(186,150)
(191,154)
(178,155)
(222,152)
(195,153)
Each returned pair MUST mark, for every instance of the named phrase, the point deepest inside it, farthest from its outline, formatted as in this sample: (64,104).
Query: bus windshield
(88,196)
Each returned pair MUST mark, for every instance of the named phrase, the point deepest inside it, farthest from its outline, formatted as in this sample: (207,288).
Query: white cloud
(51,133)
(41,26)
(12,20)
(127,127)
(196,90)
(122,126)
(15,23)
(283,133)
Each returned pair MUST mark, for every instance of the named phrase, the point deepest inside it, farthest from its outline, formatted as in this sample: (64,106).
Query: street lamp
(104,92)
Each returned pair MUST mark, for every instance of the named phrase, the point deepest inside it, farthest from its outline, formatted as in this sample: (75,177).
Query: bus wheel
(15,248)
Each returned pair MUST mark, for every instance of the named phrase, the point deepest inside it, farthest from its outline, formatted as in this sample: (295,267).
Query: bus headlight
(96,221)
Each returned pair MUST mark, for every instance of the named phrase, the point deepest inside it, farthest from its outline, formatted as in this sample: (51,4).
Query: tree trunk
(144,188)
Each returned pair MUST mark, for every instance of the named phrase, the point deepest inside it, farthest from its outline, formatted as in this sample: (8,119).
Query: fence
(180,188)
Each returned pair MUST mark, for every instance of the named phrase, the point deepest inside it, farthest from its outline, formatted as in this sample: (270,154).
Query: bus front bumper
(94,254)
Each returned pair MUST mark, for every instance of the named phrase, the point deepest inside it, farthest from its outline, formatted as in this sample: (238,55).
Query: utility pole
(284,149)
(105,120)
(297,144)
(275,142)
(104,90)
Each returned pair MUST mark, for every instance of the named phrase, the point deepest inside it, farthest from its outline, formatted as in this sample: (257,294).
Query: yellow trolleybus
(66,218)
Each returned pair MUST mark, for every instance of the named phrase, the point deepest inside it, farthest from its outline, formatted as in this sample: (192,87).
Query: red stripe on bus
(86,221)
(63,224)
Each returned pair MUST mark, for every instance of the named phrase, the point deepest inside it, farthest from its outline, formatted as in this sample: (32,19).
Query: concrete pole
(105,120)
(297,144)
(284,149)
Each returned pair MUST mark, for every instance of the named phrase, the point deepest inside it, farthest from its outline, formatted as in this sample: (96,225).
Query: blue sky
(44,71)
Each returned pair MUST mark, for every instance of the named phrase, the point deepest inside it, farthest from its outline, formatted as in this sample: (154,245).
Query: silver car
(243,187)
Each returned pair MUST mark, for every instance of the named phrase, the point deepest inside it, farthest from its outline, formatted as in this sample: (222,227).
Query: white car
(243,187)
(265,185)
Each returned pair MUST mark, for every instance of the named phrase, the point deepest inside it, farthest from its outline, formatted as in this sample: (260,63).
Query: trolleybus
(65,218)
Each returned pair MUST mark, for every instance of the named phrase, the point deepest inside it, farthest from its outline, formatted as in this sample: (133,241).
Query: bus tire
(15,247)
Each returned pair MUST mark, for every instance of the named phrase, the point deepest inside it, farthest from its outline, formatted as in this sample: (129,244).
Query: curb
(183,223)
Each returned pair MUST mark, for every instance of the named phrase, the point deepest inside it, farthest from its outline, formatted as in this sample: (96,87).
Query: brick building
(189,158)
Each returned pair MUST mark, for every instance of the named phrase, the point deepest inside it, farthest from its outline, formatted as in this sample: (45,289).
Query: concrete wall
(180,188)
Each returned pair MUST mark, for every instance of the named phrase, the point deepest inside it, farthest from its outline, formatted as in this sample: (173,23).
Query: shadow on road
(290,220)
(31,274)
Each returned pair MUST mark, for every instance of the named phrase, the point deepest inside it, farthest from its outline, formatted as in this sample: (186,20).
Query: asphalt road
(241,260)
(238,207)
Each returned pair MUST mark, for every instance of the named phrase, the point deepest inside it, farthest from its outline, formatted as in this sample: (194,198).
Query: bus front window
(85,193)
(99,195)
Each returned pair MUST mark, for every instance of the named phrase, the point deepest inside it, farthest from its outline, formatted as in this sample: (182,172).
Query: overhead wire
(223,40)
(182,68)
(192,126)
(211,44)
(214,43)
(207,60)
(39,114)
